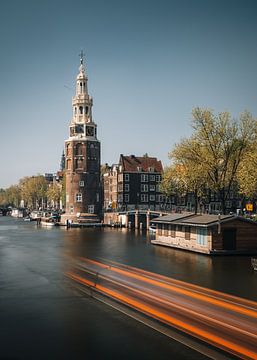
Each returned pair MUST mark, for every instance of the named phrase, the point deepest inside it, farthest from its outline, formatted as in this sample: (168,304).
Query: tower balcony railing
(81,98)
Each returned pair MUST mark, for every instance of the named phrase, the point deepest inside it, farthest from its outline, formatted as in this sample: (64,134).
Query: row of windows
(144,177)
(143,198)
(81,110)
(201,233)
(78,196)
(90,209)
(144,188)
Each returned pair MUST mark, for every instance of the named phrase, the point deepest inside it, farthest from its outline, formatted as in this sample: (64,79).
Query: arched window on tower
(79,149)
(81,110)
(68,150)
(80,87)
(75,111)
(86,110)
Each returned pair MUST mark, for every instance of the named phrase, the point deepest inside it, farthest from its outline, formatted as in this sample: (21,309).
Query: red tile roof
(133,163)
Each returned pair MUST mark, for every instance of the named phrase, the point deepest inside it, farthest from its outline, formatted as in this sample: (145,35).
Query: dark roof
(132,163)
(206,219)
(172,217)
(198,219)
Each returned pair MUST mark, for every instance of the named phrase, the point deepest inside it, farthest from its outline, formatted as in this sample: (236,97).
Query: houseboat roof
(206,219)
(190,219)
(172,217)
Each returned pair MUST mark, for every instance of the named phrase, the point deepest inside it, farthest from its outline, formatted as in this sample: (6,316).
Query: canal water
(43,317)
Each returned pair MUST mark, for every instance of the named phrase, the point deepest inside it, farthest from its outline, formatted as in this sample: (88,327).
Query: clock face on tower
(90,131)
(79,129)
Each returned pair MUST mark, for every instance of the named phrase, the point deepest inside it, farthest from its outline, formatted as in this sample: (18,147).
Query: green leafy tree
(34,191)
(211,157)
(247,175)
(3,200)
(54,194)
(13,195)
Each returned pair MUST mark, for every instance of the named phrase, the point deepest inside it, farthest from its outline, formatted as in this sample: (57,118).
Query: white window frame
(144,197)
(91,209)
(152,187)
(78,197)
(144,187)
(127,187)
(201,236)
(126,177)
(158,178)
(152,177)
(126,198)
(144,178)
(152,197)
(82,183)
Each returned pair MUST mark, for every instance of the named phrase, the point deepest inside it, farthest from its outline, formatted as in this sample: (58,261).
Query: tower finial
(81,55)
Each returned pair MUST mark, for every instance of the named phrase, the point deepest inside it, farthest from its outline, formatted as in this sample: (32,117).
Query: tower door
(229,239)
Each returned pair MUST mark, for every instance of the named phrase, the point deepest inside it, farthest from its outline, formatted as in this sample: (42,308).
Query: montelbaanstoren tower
(82,153)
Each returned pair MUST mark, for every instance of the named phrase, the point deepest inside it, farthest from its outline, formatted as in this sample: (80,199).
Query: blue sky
(148,62)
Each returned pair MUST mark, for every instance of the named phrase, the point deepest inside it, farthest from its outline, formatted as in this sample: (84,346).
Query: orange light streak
(211,338)
(180,283)
(197,296)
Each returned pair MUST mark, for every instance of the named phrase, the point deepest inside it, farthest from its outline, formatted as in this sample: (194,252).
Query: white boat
(48,221)
(152,228)
(254,263)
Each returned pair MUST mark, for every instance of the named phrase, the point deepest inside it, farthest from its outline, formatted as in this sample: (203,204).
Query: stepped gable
(133,163)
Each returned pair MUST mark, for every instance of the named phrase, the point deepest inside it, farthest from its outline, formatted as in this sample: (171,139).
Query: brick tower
(82,154)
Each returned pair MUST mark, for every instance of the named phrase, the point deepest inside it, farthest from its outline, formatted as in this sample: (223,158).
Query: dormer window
(139,168)
(151,169)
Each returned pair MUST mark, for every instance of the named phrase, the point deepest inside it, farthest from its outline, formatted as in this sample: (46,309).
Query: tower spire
(81,55)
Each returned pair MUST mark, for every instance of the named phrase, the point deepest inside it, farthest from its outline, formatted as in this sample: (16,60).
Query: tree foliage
(54,193)
(212,156)
(34,191)
(10,196)
(247,174)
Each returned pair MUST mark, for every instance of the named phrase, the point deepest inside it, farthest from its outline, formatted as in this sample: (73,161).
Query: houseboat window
(173,231)
(187,232)
(201,238)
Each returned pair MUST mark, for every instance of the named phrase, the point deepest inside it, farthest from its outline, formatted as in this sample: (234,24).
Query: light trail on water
(222,320)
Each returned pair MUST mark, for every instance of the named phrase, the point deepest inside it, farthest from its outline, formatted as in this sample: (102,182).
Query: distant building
(133,183)
(208,234)
(82,154)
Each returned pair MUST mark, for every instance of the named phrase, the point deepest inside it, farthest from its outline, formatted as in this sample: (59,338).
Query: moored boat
(254,263)
(48,221)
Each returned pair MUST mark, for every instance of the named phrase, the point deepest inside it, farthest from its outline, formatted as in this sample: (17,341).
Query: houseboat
(208,234)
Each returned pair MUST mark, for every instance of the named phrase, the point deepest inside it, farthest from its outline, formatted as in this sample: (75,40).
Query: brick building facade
(82,154)
(133,183)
